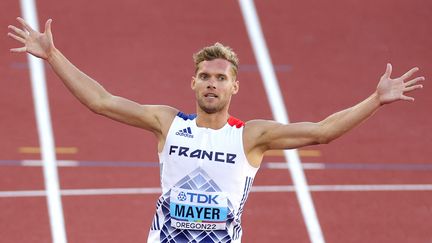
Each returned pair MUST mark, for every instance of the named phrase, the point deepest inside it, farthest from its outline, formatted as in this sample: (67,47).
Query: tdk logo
(181,196)
(199,198)
(187,132)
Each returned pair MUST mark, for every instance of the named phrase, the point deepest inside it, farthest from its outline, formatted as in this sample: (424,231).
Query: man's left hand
(390,90)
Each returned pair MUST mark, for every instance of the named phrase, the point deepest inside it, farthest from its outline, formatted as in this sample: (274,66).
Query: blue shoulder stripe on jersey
(186,116)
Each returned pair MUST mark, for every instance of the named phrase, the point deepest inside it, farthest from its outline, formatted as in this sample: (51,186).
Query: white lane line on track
(75,163)
(260,189)
(279,111)
(348,188)
(410,166)
(270,165)
(305,166)
(46,138)
(60,163)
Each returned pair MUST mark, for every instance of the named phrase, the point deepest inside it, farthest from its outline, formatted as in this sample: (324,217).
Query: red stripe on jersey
(232,121)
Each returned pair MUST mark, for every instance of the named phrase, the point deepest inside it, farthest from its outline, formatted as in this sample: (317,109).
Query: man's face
(214,84)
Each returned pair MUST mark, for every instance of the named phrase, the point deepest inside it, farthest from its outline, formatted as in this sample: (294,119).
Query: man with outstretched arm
(208,159)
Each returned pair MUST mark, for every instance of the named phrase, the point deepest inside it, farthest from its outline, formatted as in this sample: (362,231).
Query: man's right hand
(38,44)
(154,118)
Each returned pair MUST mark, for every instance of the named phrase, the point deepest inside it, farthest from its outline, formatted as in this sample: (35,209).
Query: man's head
(215,79)
(217,51)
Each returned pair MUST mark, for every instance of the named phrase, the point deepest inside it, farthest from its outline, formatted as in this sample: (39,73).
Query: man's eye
(221,78)
(203,76)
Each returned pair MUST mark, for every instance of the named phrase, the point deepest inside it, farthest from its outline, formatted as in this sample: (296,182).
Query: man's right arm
(96,98)
(89,92)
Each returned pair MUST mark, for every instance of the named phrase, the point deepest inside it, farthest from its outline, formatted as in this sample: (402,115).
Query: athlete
(209,159)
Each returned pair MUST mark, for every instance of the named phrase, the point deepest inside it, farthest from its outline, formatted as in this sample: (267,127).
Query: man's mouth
(210,95)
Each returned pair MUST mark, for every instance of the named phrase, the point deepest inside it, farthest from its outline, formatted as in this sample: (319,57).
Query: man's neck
(214,121)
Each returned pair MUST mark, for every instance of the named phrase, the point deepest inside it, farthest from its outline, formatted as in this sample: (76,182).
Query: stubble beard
(211,109)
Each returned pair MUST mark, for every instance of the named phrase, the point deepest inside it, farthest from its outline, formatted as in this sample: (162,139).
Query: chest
(187,140)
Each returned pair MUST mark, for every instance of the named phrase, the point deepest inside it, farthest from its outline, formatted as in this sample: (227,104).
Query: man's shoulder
(165,114)
(257,128)
(165,111)
(260,124)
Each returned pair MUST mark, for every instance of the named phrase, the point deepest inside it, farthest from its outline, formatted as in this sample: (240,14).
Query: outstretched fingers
(414,81)
(407,98)
(411,88)
(388,71)
(20,49)
(22,40)
(21,33)
(25,25)
(20,36)
(48,26)
(412,84)
(409,73)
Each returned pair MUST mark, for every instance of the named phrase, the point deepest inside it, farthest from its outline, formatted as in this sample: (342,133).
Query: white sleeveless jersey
(205,179)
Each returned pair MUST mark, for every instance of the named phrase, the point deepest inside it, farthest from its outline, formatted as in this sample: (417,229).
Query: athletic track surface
(327,56)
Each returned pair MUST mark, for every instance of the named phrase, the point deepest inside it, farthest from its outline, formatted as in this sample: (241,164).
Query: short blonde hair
(216,51)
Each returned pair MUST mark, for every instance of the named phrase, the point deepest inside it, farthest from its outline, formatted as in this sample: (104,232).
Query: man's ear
(236,87)
(193,83)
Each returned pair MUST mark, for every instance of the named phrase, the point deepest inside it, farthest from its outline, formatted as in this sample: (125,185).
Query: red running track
(327,57)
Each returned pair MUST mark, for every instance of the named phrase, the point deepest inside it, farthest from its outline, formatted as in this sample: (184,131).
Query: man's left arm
(272,135)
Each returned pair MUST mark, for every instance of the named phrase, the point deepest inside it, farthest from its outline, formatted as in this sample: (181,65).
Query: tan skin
(214,84)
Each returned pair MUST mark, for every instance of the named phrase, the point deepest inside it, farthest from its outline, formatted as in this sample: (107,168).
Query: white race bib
(198,210)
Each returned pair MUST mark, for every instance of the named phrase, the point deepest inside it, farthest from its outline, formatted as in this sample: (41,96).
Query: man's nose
(211,83)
